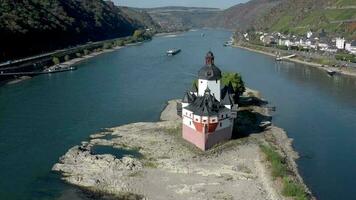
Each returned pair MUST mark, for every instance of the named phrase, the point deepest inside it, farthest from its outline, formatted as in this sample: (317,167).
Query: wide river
(40,119)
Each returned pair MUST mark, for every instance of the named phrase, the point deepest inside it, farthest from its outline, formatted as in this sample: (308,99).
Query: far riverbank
(349,71)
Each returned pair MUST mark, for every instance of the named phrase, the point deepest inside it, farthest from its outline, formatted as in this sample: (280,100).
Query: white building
(309,34)
(340,43)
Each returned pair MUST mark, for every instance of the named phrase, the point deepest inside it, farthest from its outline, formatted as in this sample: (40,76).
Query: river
(41,118)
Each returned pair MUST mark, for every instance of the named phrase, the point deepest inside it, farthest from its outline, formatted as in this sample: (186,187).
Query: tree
(107,45)
(66,57)
(138,34)
(86,52)
(236,80)
(55,60)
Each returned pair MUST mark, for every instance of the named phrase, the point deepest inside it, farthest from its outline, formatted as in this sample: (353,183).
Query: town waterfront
(41,118)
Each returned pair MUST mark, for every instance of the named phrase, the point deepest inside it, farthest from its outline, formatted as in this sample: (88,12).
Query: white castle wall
(214,86)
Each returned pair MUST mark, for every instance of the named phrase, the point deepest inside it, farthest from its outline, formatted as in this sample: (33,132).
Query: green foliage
(279,168)
(293,189)
(78,55)
(86,51)
(138,34)
(55,60)
(346,57)
(230,77)
(66,57)
(107,45)
(236,80)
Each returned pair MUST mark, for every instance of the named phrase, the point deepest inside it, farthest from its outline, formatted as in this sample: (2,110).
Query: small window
(220,124)
(190,122)
(213,120)
(222,116)
(201,81)
(196,119)
(226,115)
(204,120)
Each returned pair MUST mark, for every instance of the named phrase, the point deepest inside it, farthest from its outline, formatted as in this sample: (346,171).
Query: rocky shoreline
(154,162)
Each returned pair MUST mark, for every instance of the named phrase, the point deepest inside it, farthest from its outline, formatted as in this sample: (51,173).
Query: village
(335,51)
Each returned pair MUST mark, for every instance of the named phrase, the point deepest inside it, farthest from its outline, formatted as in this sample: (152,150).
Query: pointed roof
(227,100)
(209,71)
(188,97)
(206,105)
(227,90)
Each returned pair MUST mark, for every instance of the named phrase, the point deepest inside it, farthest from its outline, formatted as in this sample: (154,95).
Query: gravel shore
(164,166)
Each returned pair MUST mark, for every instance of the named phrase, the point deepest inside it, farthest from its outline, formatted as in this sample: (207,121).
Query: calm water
(43,117)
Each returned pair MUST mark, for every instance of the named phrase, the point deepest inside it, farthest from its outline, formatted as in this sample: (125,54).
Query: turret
(209,77)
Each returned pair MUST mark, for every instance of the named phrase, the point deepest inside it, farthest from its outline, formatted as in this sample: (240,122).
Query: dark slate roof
(188,98)
(209,71)
(227,89)
(227,100)
(206,105)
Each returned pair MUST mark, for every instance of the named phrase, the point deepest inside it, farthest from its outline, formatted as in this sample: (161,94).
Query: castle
(208,110)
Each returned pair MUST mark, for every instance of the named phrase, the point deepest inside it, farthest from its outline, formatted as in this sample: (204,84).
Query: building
(309,34)
(208,111)
(340,43)
(351,47)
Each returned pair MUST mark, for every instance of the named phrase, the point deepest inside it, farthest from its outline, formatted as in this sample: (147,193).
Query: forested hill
(29,27)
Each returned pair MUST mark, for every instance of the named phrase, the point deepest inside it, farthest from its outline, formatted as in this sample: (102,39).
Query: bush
(55,60)
(346,57)
(293,189)
(86,51)
(66,57)
(107,46)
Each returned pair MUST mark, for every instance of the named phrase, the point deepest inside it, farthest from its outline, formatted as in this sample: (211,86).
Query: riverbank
(349,71)
(152,161)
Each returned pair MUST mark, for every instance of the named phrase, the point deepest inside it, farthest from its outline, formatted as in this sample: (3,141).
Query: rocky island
(152,161)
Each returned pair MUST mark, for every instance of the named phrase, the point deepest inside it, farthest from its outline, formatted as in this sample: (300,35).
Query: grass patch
(279,167)
(177,130)
(293,189)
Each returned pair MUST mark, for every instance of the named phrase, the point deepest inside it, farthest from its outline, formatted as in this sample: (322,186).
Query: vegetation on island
(279,169)
(236,81)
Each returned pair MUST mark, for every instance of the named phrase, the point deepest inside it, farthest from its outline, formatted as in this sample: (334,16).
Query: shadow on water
(248,121)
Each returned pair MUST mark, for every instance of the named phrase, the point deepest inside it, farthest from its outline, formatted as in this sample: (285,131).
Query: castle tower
(209,77)
(207,115)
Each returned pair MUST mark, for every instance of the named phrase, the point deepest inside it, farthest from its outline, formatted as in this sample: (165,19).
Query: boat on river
(228,44)
(330,72)
(173,52)
(58,68)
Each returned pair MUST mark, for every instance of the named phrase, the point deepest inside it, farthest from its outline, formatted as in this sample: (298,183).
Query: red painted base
(206,141)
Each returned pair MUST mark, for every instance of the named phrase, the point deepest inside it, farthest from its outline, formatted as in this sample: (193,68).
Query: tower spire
(209,58)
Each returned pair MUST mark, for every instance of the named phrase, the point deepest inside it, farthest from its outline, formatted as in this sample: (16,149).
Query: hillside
(335,17)
(182,18)
(31,27)
(244,15)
